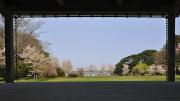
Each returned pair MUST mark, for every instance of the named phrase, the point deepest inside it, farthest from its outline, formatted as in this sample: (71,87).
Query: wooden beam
(119,2)
(92,13)
(2,4)
(176,6)
(60,2)
(171,48)
(9,77)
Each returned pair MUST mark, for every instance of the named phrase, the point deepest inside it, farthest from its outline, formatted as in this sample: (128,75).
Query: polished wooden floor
(99,91)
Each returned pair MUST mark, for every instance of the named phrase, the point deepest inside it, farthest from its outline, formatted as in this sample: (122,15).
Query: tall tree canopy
(30,50)
(146,57)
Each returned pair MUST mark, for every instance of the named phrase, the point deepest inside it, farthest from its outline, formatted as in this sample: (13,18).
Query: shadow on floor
(91,91)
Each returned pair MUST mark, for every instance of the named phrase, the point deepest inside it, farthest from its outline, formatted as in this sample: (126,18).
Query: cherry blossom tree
(67,66)
(156,69)
(125,69)
(34,58)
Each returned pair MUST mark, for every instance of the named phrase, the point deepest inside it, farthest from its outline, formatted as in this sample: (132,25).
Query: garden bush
(60,72)
(73,75)
(2,70)
(22,70)
(140,69)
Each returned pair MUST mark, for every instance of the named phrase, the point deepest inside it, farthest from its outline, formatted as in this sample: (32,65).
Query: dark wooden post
(171,48)
(9,71)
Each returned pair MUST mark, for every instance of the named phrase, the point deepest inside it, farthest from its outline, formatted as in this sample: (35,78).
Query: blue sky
(99,41)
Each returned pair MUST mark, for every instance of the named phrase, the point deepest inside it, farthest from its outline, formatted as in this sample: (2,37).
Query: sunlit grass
(97,79)
(1,79)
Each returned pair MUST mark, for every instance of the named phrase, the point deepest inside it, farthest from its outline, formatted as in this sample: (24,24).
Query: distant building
(97,73)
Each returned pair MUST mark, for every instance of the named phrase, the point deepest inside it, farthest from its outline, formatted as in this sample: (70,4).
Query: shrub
(22,69)
(60,72)
(140,69)
(2,70)
(73,75)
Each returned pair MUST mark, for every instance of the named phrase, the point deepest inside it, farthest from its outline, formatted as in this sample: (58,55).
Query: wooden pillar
(9,70)
(171,48)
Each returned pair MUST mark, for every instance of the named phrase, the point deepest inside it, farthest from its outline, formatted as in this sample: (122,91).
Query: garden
(33,63)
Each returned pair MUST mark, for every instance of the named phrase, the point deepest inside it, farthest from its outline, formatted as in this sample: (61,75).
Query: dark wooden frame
(168,8)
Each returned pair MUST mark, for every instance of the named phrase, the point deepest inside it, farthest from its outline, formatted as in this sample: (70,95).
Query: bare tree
(160,57)
(103,68)
(67,66)
(55,62)
(80,71)
(92,68)
(24,25)
(49,71)
(107,68)
(110,68)
(27,33)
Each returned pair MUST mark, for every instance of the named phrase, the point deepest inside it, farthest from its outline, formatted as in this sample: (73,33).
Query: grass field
(1,78)
(97,79)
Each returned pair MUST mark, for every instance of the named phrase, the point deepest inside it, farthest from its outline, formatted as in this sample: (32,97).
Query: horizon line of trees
(34,59)
(147,62)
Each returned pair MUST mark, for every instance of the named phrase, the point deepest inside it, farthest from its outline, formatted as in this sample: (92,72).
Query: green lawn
(1,80)
(98,79)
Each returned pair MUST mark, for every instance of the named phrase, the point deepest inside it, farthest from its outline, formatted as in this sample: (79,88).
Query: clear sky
(99,41)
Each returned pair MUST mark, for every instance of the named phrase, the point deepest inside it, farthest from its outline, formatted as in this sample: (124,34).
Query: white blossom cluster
(34,58)
(156,69)
(125,69)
